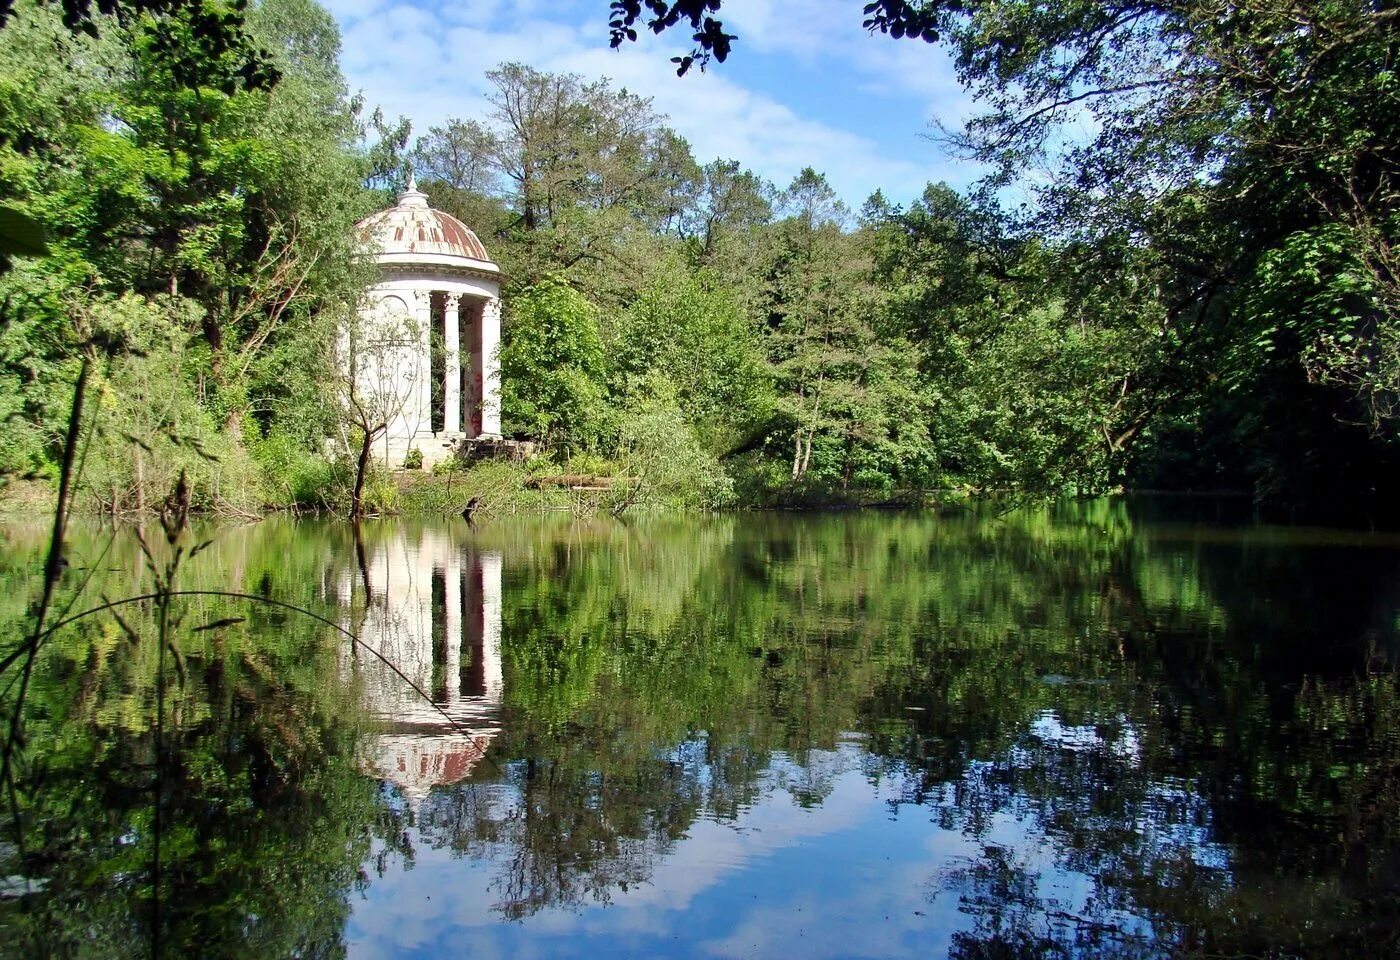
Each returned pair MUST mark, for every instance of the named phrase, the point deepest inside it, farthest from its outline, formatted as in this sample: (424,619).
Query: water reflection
(1079,730)
(431,610)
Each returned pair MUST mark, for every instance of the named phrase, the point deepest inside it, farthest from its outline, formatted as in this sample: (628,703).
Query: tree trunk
(362,561)
(139,472)
(357,506)
(233,426)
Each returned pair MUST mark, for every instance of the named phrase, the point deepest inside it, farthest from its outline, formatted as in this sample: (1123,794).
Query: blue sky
(813,89)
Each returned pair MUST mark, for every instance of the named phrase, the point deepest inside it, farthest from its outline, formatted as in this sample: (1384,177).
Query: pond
(1130,728)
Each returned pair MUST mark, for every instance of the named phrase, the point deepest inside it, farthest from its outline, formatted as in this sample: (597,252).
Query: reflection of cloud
(854,875)
(713,849)
(764,878)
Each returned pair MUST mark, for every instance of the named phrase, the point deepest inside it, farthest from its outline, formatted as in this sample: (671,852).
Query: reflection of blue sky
(853,876)
(1174,820)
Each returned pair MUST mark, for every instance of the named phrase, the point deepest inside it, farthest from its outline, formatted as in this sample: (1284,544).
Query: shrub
(152,425)
(293,476)
(660,454)
(590,464)
(413,460)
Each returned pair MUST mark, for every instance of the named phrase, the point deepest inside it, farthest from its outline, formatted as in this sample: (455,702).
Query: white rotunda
(438,284)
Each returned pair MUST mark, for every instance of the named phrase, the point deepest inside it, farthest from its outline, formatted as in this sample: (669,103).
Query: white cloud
(722,119)
(430,64)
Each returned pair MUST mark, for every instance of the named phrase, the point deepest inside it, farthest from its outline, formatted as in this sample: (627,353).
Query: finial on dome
(412,196)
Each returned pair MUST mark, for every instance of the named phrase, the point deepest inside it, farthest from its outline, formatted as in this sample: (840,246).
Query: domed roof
(412,232)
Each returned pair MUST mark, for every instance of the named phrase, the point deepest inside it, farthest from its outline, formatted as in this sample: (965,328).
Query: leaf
(20,234)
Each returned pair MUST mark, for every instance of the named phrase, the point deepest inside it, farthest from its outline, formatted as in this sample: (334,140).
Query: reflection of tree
(1013,919)
(1225,808)
(1029,668)
(265,819)
(1111,688)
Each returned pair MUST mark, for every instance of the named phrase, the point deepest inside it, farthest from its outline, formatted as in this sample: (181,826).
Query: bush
(667,465)
(590,464)
(413,460)
(151,424)
(293,476)
(542,463)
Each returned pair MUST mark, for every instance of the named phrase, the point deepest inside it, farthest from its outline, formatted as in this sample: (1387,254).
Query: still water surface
(1126,729)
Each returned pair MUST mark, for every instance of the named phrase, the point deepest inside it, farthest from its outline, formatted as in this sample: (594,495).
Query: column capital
(453,300)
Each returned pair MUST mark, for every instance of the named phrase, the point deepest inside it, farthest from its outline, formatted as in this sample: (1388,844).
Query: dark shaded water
(1129,729)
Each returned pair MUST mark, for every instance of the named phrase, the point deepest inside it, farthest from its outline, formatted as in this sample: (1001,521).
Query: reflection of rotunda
(437,302)
(435,614)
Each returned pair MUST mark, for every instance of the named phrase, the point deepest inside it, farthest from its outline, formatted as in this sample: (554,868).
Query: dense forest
(1198,294)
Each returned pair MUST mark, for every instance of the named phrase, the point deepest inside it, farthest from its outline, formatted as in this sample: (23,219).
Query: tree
(235,207)
(461,155)
(1248,177)
(583,167)
(379,376)
(553,368)
(1236,186)
(562,144)
(1021,390)
(689,332)
(215,27)
(728,200)
(821,343)
(898,18)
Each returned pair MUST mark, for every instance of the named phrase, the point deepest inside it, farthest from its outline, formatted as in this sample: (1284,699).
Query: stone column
(420,421)
(452,365)
(453,626)
(490,368)
(471,380)
(491,624)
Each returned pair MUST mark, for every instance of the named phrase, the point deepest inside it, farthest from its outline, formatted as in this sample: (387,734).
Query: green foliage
(226,204)
(297,477)
(151,425)
(1200,294)
(687,330)
(20,236)
(1239,197)
(1222,222)
(413,459)
(661,460)
(553,367)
